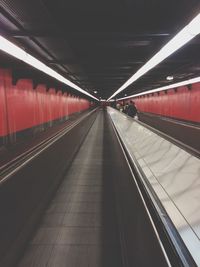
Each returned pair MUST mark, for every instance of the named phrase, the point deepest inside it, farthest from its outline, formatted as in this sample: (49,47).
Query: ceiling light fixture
(167,87)
(15,51)
(183,37)
(169,78)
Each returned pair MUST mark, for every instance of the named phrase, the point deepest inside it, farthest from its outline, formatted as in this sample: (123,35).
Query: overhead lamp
(169,78)
(167,87)
(183,37)
(15,51)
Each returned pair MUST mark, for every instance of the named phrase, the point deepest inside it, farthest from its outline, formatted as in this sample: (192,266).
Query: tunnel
(99,133)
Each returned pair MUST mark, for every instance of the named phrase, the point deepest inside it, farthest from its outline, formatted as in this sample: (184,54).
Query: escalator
(79,226)
(97,216)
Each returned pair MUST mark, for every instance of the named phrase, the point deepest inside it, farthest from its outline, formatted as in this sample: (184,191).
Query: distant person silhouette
(132,110)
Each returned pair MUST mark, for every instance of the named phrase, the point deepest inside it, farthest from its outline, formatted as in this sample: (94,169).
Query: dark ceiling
(99,44)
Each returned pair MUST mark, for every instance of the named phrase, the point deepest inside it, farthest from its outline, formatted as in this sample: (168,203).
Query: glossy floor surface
(79,226)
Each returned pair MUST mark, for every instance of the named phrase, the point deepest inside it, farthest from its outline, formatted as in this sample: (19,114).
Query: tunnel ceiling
(99,44)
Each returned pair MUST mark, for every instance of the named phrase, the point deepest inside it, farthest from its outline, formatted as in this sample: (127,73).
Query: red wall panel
(3,104)
(59,105)
(182,103)
(194,112)
(51,94)
(22,107)
(14,101)
(41,106)
(73,104)
(65,104)
(51,99)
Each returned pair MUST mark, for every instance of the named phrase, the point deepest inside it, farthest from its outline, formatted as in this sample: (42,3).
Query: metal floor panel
(79,226)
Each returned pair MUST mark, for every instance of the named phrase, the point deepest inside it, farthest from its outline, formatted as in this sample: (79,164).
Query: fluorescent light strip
(20,54)
(167,87)
(183,37)
(103,100)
